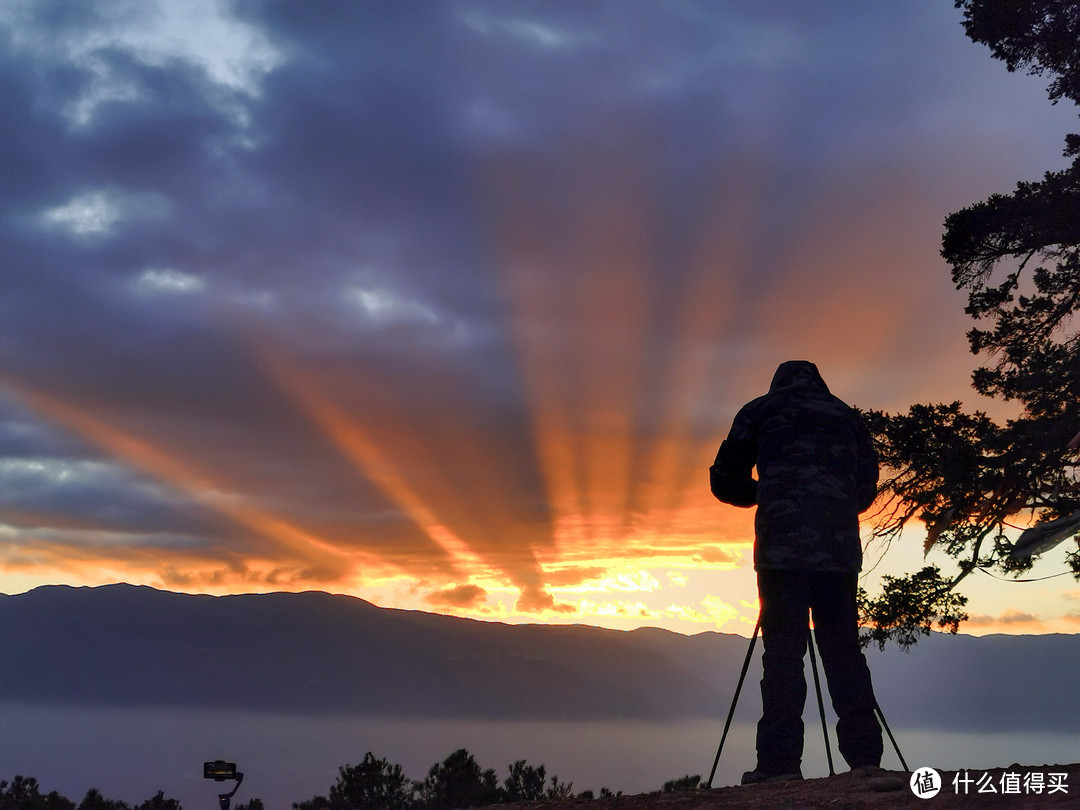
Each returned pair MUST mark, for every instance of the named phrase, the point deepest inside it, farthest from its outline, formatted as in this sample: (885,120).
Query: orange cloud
(1009,620)
(714,555)
(576,575)
(186,476)
(537,600)
(615,609)
(81,559)
(712,610)
(460,596)
(291,552)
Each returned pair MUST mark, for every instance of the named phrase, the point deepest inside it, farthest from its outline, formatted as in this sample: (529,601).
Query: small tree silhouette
(55,801)
(458,781)
(374,784)
(559,790)
(93,800)
(22,793)
(525,782)
(159,802)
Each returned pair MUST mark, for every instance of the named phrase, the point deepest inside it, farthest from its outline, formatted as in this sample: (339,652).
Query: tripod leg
(734,700)
(892,739)
(820,702)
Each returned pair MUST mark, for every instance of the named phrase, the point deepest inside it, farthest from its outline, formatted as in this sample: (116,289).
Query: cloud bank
(456,299)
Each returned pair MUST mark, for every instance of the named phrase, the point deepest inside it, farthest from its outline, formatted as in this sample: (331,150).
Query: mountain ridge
(318,653)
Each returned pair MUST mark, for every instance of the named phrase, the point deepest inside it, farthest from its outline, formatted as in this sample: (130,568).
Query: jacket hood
(798,373)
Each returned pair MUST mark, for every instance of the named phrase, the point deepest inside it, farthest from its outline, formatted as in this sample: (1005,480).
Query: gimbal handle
(224,799)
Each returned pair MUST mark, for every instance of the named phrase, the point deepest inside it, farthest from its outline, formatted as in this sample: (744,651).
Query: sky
(448,305)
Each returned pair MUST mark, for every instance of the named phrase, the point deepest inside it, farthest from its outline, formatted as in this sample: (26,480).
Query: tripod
(820,702)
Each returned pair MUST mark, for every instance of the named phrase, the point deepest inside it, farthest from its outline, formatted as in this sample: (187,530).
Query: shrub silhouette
(22,793)
(559,790)
(458,781)
(159,802)
(93,800)
(682,783)
(374,784)
(525,782)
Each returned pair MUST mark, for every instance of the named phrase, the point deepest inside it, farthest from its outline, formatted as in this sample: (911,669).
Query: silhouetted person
(817,471)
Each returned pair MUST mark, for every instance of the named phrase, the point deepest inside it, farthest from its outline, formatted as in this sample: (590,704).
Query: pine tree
(1017,255)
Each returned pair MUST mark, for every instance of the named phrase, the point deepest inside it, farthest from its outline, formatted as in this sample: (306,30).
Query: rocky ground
(1014,786)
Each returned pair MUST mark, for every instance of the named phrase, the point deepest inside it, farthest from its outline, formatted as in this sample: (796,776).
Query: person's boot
(759,775)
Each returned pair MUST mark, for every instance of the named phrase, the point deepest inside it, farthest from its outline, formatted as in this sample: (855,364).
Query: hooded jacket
(816,467)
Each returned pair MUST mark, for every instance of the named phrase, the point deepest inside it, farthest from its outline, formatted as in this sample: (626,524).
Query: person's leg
(784,620)
(836,629)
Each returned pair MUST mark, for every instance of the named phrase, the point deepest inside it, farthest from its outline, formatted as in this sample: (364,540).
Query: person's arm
(730,476)
(866,470)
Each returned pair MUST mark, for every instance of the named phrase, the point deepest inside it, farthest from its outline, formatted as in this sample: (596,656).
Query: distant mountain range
(317,653)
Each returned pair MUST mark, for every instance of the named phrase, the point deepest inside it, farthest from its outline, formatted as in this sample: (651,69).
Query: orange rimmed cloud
(571,576)
(89,558)
(312,557)
(621,579)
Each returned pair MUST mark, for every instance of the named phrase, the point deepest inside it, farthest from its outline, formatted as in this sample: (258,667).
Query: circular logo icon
(925,783)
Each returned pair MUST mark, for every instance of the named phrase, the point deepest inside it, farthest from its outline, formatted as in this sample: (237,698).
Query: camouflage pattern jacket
(817,471)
